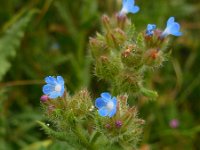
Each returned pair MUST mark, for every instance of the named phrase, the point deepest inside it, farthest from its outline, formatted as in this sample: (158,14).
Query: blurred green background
(46,37)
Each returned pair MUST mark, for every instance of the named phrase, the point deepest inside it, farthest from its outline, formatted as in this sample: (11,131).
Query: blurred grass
(55,42)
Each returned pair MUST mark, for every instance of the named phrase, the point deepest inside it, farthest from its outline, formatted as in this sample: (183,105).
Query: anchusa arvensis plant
(121,56)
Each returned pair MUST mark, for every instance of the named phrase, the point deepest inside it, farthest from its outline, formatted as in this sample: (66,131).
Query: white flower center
(58,88)
(110,105)
(123,11)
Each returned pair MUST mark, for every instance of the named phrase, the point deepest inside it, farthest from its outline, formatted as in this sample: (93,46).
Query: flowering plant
(122,57)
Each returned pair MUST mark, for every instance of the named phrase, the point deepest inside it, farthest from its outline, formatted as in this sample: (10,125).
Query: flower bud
(112,39)
(50,109)
(158,38)
(44,98)
(123,100)
(128,82)
(132,57)
(107,67)
(121,20)
(120,36)
(104,59)
(149,93)
(140,121)
(108,126)
(98,47)
(153,58)
(174,123)
(84,93)
(155,40)
(118,124)
(106,22)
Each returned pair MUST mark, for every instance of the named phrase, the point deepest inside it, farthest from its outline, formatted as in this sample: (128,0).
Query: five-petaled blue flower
(106,104)
(129,7)
(172,28)
(150,29)
(54,87)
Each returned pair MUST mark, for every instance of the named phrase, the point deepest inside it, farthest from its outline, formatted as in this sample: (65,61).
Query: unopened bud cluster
(122,56)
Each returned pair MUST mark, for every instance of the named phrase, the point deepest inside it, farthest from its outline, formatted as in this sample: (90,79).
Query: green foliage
(16,130)
(11,39)
(78,35)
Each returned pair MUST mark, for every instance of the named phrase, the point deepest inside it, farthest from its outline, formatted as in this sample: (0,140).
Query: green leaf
(10,41)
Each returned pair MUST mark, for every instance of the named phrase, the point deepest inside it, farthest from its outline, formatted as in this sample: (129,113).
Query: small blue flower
(150,29)
(129,7)
(106,104)
(172,28)
(55,87)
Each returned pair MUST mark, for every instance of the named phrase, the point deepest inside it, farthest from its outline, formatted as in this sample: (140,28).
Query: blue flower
(129,7)
(172,28)
(55,87)
(150,29)
(106,104)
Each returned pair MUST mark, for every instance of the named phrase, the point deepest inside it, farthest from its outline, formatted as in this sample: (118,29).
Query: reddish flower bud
(174,123)
(126,53)
(108,126)
(118,124)
(44,98)
(121,20)
(106,22)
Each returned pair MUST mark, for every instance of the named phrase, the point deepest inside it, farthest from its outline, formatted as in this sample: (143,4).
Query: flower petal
(170,21)
(174,29)
(112,112)
(134,9)
(150,29)
(177,34)
(50,80)
(106,96)
(99,103)
(129,6)
(54,94)
(103,111)
(62,91)
(60,80)
(130,2)
(124,1)
(48,88)
(114,100)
